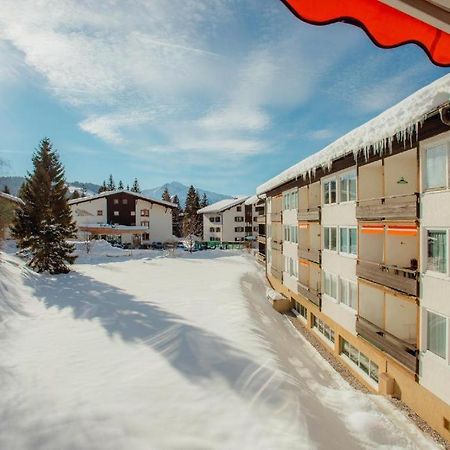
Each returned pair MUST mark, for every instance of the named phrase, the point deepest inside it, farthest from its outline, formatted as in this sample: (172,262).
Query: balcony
(277,246)
(311,294)
(276,273)
(261,258)
(275,216)
(402,279)
(310,254)
(397,207)
(261,219)
(309,215)
(402,351)
(262,239)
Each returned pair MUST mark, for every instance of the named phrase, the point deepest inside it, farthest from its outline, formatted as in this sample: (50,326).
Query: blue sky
(223,94)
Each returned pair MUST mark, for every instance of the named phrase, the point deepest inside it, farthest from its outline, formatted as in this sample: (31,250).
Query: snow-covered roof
(400,121)
(11,198)
(121,191)
(113,227)
(252,200)
(222,205)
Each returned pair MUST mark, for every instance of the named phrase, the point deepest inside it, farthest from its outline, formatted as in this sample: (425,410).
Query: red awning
(425,23)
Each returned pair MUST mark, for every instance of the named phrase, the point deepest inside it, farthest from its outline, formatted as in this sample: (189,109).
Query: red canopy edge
(386,26)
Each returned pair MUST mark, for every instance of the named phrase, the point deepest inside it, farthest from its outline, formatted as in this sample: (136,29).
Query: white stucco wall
(160,221)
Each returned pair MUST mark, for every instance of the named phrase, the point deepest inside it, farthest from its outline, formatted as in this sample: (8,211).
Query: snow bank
(402,121)
(98,248)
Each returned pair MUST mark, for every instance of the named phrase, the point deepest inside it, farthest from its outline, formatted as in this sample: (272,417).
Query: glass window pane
(352,188)
(326,193)
(343,235)
(344,189)
(333,191)
(333,286)
(437,334)
(436,167)
(343,291)
(373,371)
(326,238)
(353,238)
(352,295)
(364,363)
(333,238)
(437,251)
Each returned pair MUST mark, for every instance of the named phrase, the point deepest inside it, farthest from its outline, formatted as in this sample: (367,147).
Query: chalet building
(230,220)
(10,201)
(357,240)
(123,216)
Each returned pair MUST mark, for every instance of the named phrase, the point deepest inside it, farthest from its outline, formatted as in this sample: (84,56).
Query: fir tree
(103,188)
(43,225)
(120,186)
(166,195)
(204,201)
(111,186)
(176,217)
(6,190)
(75,195)
(135,187)
(192,222)
(128,187)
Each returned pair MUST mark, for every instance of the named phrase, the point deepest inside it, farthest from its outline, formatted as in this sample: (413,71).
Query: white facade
(339,250)
(290,239)
(435,279)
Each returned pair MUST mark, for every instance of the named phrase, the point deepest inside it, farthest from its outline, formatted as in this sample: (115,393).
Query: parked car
(180,245)
(157,245)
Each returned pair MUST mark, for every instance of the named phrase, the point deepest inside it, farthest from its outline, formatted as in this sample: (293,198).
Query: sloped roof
(222,205)
(121,191)
(402,121)
(12,198)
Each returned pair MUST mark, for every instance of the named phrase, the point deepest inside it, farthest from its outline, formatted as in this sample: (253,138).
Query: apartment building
(358,242)
(123,216)
(230,220)
(8,204)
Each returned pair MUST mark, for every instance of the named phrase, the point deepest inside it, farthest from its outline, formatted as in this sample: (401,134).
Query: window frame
(327,230)
(431,272)
(325,183)
(348,253)
(430,146)
(447,344)
(347,176)
(324,284)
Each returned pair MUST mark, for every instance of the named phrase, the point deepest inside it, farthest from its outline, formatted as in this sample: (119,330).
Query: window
(301,310)
(211,219)
(238,208)
(255,219)
(238,219)
(347,187)
(323,328)
(291,266)
(238,229)
(217,219)
(348,240)
(255,228)
(290,200)
(145,223)
(116,213)
(213,238)
(329,238)
(217,229)
(290,233)
(145,213)
(145,237)
(436,167)
(437,334)
(99,212)
(330,284)
(124,201)
(437,250)
(116,201)
(360,360)
(347,294)
(211,230)
(329,192)
(133,213)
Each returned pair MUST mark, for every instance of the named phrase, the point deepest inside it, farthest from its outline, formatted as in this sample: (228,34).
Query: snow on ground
(171,353)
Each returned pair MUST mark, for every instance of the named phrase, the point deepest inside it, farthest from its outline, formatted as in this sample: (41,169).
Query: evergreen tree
(111,186)
(166,195)
(204,201)
(120,186)
(176,217)
(135,187)
(6,190)
(192,222)
(128,187)
(75,195)
(43,225)
(103,188)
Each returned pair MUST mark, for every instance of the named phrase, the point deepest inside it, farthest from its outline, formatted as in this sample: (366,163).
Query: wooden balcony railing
(399,278)
(275,216)
(311,294)
(276,273)
(309,215)
(261,258)
(277,246)
(262,239)
(402,351)
(311,254)
(261,219)
(394,207)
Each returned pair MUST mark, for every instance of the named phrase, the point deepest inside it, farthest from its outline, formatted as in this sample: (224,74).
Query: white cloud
(321,134)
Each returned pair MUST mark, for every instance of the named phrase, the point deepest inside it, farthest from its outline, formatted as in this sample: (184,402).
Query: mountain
(14,184)
(181,190)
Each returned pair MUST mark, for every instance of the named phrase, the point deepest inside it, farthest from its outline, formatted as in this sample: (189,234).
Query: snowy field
(148,352)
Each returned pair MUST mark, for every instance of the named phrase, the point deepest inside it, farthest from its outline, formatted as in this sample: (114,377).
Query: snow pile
(273,295)
(97,248)
(402,122)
